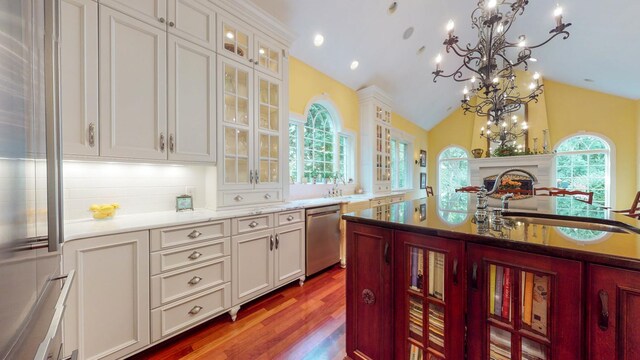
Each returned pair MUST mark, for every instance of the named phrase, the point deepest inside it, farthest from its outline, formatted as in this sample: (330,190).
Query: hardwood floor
(294,322)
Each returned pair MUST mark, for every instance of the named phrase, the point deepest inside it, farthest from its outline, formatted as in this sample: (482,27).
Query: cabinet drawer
(172,259)
(359,206)
(289,217)
(235,198)
(252,223)
(396,198)
(178,284)
(378,202)
(182,235)
(171,318)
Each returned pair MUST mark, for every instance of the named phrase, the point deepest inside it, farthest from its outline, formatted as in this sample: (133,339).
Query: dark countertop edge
(539,249)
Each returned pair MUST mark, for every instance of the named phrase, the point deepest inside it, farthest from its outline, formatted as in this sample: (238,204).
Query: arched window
(319,140)
(583,162)
(453,173)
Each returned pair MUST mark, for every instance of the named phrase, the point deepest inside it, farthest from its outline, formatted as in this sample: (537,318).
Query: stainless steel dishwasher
(323,238)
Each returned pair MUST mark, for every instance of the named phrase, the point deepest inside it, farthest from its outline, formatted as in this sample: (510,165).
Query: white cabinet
(191,93)
(151,11)
(79,76)
(108,307)
(266,259)
(192,21)
(289,253)
(375,120)
(133,87)
(249,135)
(248,46)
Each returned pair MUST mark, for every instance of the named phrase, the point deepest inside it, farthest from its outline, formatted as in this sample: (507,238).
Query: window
(399,165)
(583,162)
(453,173)
(317,150)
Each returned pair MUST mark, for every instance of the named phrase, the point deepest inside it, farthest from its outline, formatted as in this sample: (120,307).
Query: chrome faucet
(505,198)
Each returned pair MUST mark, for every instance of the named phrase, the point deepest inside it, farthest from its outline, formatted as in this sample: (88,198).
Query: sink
(595,224)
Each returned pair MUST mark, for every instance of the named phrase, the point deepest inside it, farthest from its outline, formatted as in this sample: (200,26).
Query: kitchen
(208,106)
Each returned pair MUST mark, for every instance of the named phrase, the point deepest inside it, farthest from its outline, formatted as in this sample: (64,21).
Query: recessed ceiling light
(407,33)
(318,40)
(589,80)
(354,64)
(393,7)
(421,50)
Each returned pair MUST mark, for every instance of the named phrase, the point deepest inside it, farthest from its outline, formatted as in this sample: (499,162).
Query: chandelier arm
(555,34)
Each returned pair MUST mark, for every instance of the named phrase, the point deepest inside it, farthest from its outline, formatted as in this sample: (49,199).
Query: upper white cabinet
(133,87)
(79,76)
(108,307)
(249,46)
(192,21)
(153,12)
(192,125)
(267,104)
(375,120)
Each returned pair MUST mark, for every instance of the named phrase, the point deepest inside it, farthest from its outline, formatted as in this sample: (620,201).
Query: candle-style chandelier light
(490,65)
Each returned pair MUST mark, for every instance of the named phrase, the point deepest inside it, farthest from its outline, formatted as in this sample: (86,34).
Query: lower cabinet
(369,313)
(107,313)
(266,259)
(523,306)
(613,312)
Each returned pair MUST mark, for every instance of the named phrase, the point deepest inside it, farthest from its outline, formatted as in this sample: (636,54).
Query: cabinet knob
(603,319)
(195,280)
(161,20)
(172,24)
(194,234)
(194,255)
(290,217)
(92,135)
(253,224)
(256,62)
(251,61)
(196,309)
(238,198)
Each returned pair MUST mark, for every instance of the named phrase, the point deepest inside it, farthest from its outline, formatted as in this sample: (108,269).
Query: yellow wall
(307,83)
(569,110)
(420,142)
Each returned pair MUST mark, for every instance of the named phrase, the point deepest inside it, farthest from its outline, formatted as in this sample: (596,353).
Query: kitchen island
(426,280)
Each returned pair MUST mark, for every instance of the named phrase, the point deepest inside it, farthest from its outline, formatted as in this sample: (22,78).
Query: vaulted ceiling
(604,46)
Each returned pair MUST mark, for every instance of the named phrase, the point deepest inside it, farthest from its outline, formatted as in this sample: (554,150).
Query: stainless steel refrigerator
(32,289)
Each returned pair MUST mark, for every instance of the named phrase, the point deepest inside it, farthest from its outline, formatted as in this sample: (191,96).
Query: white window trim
(610,197)
(351,135)
(406,138)
(439,160)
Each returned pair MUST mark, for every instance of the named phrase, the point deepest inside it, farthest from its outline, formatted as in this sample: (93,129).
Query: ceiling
(604,46)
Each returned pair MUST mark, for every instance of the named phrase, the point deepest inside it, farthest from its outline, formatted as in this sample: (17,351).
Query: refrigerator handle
(55,219)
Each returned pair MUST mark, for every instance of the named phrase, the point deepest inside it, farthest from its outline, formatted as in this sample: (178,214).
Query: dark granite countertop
(453,217)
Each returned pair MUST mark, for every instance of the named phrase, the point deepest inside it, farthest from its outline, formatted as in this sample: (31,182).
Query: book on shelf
(528,298)
(492,288)
(539,304)
(532,350)
(506,294)
(420,278)
(498,294)
(499,344)
(414,269)
(438,276)
(432,264)
(415,353)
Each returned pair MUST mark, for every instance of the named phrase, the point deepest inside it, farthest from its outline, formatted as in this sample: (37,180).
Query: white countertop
(79,229)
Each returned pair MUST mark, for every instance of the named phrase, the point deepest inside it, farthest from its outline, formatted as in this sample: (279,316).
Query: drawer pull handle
(194,234)
(238,198)
(455,271)
(194,255)
(196,309)
(267,196)
(195,280)
(474,277)
(277,241)
(290,217)
(253,224)
(387,259)
(603,319)
(271,243)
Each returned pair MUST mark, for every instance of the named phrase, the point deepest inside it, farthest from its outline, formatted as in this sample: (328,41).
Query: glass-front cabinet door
(236,115)
(269,57)
(268,100)
(523,306)
(235,41)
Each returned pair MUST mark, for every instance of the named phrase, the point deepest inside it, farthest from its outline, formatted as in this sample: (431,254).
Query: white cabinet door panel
(133,88)
(192,21)
(290,253)
(252,265)
(108,307)
(192,123)
(79,76)
(153,12)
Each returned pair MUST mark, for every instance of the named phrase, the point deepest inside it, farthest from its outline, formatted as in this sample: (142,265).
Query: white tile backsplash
(138,188)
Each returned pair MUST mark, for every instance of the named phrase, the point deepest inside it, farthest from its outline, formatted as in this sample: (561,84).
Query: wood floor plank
(295,322)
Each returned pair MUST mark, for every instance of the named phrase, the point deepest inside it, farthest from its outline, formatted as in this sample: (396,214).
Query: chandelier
(506,133)
(490,65)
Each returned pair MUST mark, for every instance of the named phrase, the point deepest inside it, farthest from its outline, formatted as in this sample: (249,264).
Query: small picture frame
(184,202)
(423,180)
(423,212)
(423,158)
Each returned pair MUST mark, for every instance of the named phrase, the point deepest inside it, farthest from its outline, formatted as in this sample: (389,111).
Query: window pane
(318,144)
(293,152)
(394,167)
(402,166)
